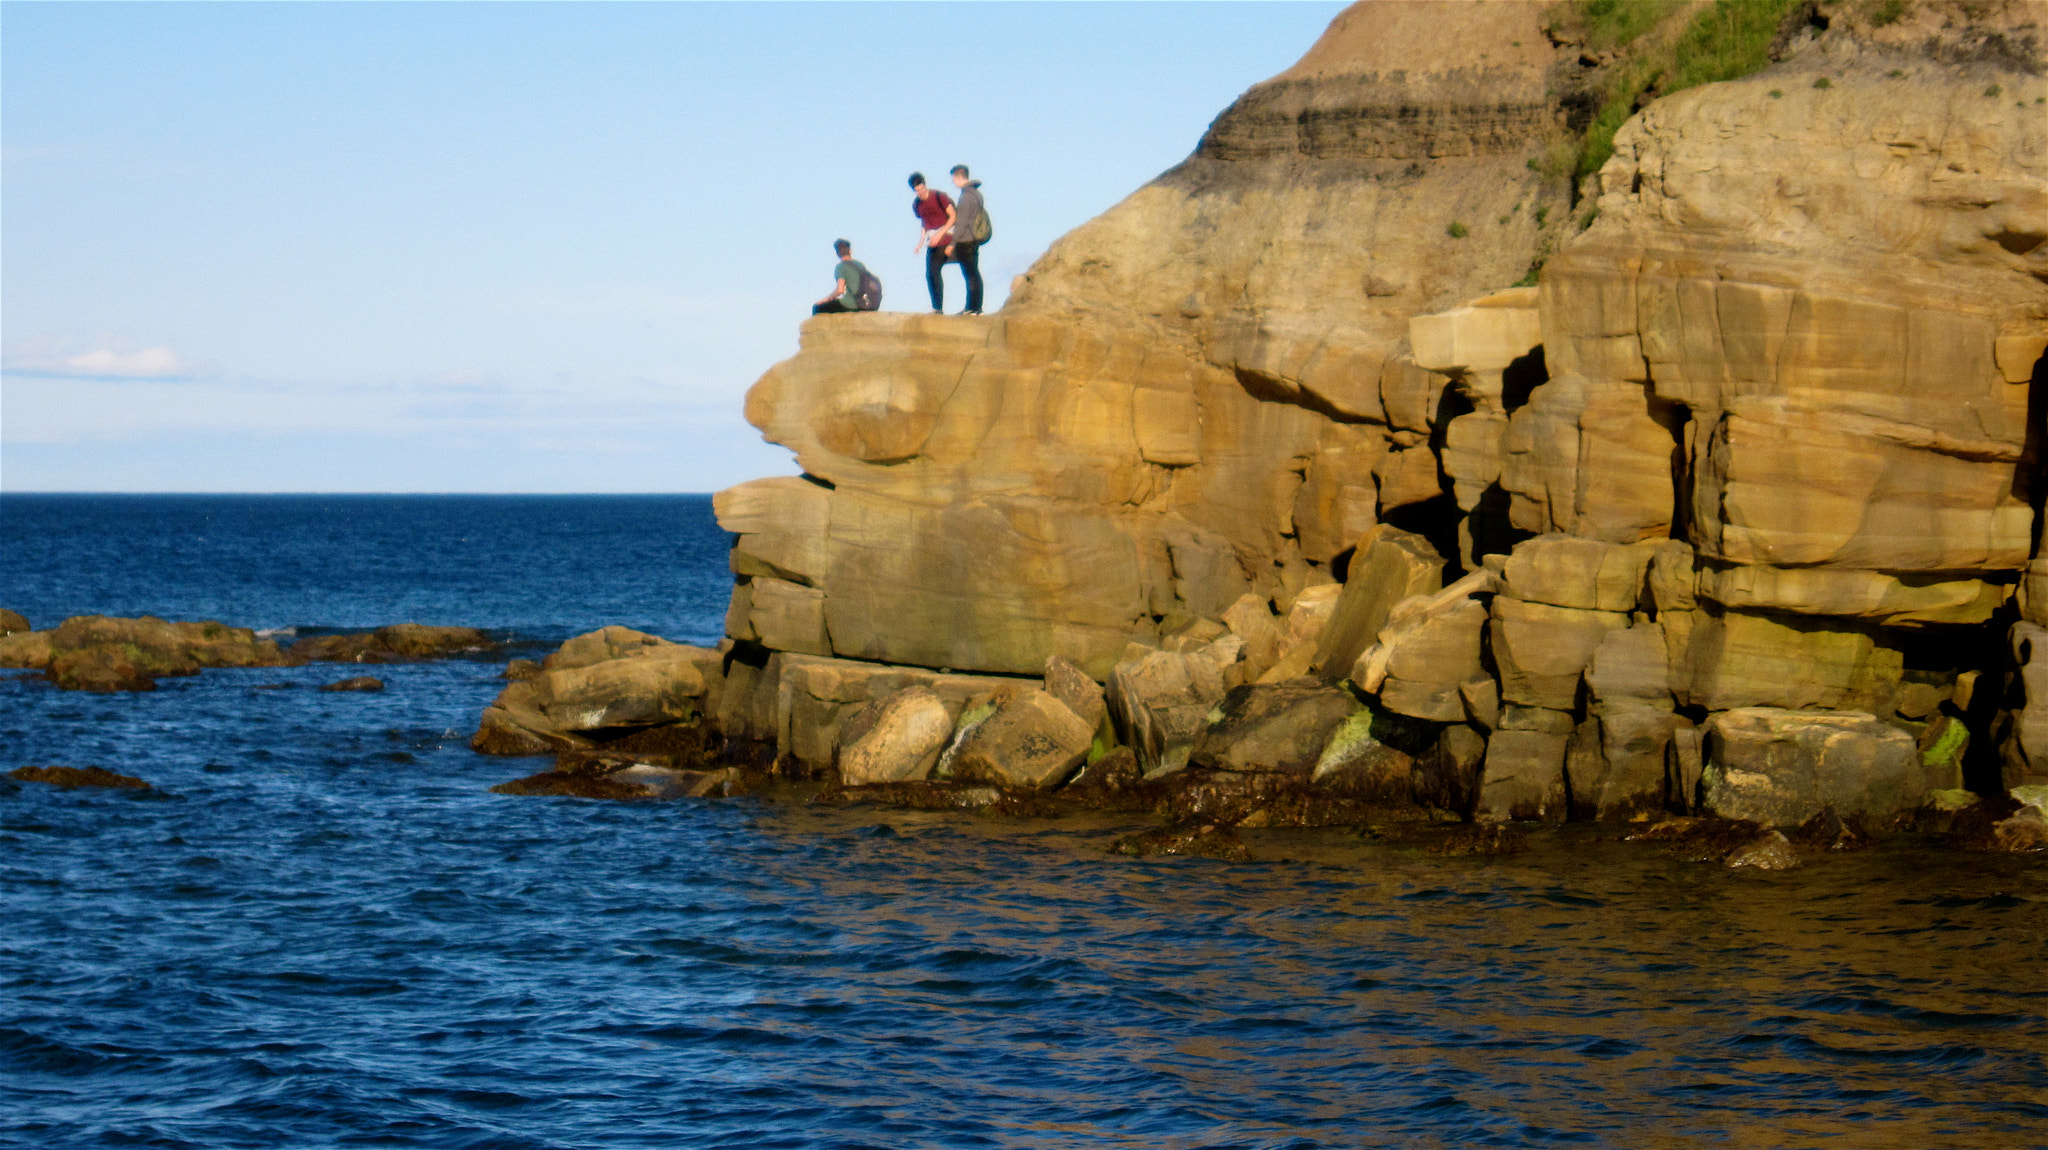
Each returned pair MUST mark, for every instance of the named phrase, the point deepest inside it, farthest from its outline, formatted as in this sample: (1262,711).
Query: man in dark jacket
(934,212)
(965,250)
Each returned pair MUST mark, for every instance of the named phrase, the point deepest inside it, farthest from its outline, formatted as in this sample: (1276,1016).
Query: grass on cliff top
(1730,39)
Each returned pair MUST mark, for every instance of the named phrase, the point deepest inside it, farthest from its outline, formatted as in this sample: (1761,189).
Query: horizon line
(483,494)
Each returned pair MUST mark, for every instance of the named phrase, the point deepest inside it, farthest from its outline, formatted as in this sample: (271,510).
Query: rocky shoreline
(631,717)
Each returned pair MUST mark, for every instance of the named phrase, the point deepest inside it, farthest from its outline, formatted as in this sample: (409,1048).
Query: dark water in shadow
(325,933)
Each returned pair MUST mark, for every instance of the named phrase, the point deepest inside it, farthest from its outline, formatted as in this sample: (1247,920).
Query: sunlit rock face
(1202,393)
(1766,431)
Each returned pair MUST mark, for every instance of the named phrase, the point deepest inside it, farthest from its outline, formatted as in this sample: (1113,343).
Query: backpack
(982,228)
(868,296)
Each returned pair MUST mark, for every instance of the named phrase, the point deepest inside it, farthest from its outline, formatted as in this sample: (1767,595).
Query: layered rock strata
(1736,509)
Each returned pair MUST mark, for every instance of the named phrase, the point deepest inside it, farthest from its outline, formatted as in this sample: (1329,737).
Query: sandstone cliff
(1764,440)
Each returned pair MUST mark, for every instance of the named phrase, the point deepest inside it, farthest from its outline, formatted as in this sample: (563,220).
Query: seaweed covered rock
(103,653)
(1770,850)
(398,643)
(622,777)
(1202,840)
(69,778)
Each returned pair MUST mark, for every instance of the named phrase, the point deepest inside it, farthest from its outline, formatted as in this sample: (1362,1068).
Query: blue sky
(520,247)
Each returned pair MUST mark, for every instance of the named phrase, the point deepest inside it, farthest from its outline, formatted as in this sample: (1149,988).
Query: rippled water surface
(322,931)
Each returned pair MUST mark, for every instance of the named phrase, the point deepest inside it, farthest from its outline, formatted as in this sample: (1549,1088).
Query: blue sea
(322,930)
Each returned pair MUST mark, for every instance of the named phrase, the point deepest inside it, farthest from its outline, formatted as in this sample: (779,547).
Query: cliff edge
(1712,481)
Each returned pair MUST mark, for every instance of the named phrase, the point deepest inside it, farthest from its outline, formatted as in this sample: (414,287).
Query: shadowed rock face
(1765,433)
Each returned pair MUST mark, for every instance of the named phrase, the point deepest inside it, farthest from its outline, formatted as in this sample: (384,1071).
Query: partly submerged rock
(922,795)
(73,777)
(622,777)
(103,653)
(1480,839)
(1206,840)
(359,683)
(595,685)
(1829,831)
(1700,839)
(398,643)
(2026,830)
(12,622)
(1768,851)
(29,649)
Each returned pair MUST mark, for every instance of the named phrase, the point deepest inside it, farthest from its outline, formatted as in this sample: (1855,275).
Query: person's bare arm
(838,289)
(951,215)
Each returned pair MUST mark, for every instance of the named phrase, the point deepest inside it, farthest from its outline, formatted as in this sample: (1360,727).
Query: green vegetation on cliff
(1723,41)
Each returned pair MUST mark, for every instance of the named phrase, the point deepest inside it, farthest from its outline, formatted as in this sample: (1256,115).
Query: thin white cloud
(110,359)
(147,363)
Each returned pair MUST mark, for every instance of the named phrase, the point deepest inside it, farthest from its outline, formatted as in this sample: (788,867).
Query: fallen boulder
(1387,566)
(1029,740)
(1263,727)
(1781,768)
(894,740)
(595,685)
(1072,686)
(1354,762)
(1160,700)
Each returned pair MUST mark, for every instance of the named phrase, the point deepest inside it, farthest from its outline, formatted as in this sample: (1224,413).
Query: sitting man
(845,294)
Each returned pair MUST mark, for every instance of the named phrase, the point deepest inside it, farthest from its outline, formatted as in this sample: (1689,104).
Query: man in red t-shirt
(934,211)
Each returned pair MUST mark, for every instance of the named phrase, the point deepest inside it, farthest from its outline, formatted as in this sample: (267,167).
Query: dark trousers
(934,259)
(830,307)
(968,256)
